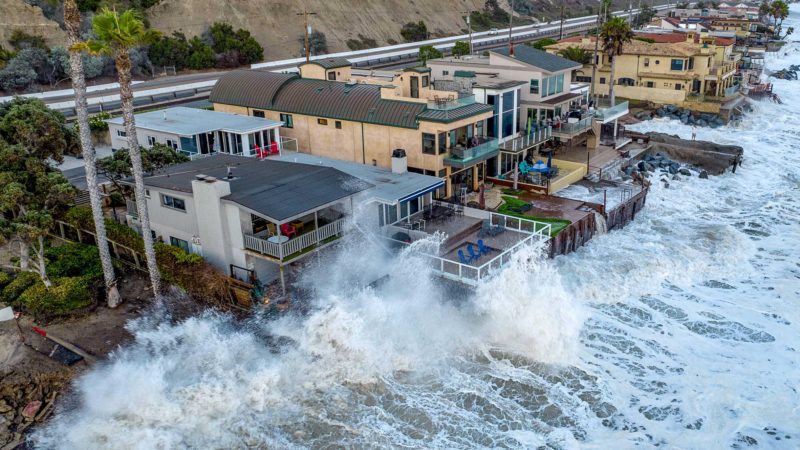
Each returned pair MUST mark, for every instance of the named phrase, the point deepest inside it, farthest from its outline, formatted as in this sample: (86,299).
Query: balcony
(461,157)
(298,246)
(570,130)
(449,103)
(527,140)
(606,112)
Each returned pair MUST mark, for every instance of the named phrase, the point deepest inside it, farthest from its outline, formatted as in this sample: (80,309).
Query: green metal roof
(356,102)
(452,115)
(464,74)
(420,69)
(330,63)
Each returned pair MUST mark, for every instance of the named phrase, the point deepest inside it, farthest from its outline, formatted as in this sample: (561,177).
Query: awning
(422,192)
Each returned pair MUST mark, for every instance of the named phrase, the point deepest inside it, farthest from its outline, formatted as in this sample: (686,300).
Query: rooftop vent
(200,177)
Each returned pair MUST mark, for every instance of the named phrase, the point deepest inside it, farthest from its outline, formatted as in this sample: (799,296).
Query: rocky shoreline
(684,115)
(26,401)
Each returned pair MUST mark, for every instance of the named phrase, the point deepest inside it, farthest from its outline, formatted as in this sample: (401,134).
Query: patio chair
(471,250)
(486,228)
(482,248)
(288,230)
(463,259)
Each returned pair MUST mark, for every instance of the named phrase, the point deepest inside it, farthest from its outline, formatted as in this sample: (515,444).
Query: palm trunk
(72,22)
(611,79)
(24,255)
(123,63)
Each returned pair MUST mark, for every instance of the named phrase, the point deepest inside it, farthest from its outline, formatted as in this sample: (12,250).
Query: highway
(180,89)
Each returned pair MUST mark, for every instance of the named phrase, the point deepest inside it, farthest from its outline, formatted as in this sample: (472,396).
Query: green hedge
(73,260)
(65,295)
(14,289)
(5,279)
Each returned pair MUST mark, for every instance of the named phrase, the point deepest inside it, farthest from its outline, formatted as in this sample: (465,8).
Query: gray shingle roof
(275,189)
(540,59)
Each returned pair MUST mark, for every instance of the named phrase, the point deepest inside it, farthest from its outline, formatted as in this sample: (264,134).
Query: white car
(493,31)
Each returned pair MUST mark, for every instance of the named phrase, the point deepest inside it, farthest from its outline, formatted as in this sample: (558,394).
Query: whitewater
(680,331)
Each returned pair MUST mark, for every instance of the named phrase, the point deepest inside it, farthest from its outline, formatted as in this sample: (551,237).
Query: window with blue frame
(534,86)
(508,113)
(677,64)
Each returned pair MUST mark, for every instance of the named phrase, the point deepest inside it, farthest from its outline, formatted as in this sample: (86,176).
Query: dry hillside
(18,14)
(277,27)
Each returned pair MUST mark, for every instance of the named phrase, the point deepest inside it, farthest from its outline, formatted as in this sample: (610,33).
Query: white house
(255,216)
(199,132)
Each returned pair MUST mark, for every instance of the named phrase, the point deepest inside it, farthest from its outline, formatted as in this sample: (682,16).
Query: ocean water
(681,331)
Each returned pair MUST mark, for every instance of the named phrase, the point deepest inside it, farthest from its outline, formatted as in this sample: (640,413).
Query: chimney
(399,161)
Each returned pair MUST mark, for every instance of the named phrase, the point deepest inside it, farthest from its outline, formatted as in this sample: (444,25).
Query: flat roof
(191,121)
(274,189)
(388,187)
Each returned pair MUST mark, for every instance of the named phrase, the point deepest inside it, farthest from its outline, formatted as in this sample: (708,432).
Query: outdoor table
(299,226)
(278,239)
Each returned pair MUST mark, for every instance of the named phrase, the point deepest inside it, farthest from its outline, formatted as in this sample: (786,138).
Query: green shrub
(125,235)
(65,295)
(192,273)
(98,121)
(14,289)
(414,31)
(5,279)
(81,217)
(74,260)
(117,199)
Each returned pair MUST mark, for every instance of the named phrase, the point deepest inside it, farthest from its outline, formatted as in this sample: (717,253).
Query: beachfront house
(687,69)
(251,217)
(199,132)
(443,133)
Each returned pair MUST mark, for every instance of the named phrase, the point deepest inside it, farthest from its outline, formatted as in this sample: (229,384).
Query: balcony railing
(448,103)
(527,140)
(605,112)
(732,90)
(572,129)
(465,157)
(295,247)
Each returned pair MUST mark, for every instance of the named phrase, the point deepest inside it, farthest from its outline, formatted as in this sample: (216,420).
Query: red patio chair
(288,230)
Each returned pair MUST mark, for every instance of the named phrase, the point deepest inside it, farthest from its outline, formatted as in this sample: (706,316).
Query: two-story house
(332,114)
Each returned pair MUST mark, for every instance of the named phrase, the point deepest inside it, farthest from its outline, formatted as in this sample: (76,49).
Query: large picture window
(677,64)
(428,143)
(173,202)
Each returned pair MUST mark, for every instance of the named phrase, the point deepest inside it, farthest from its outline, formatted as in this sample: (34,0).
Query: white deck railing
(295,245)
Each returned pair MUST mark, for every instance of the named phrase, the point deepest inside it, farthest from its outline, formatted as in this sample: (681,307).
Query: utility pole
(561,28)
(510,24)
(469,26)
(305,15)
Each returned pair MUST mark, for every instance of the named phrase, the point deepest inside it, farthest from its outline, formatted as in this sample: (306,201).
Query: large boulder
(685,172)
(703,174)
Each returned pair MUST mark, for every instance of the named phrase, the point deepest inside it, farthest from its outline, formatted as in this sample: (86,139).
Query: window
(545,84)
(426,81)
(602,80)
(258,113)
(172,144)
(445,72)
(658,62)
(173,202)
(151,140)
(122,133)
(559,83)
(428,143)
(442,143)
(147,193)
(338,124)
(650,84)
(677,64)
(287,120)
(647,62)
(180,243)
(678,86)
(582,79)
(322,122)
(332,76)
(691,63)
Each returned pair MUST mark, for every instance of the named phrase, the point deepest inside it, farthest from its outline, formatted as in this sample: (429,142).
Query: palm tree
(779,10)
(72,22)
(614,35)
(115,35)
(576,54)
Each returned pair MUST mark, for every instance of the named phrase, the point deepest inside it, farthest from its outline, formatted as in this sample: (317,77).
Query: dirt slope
(18,14)
(277,27)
